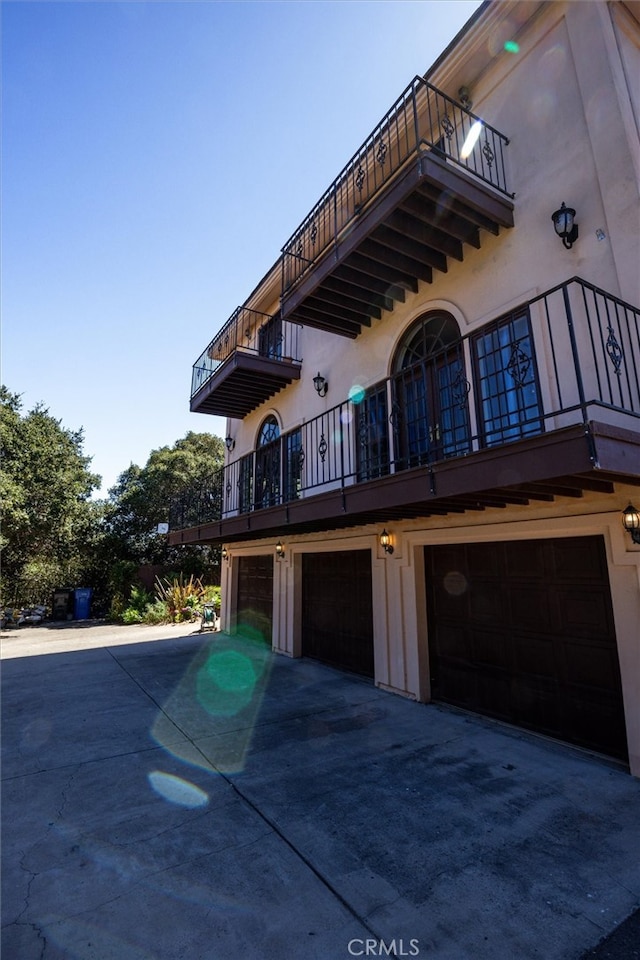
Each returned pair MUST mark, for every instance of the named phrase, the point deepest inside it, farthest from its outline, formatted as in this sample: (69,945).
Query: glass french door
(430,411)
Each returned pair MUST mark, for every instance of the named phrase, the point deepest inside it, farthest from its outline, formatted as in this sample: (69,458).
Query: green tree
(141,498)
(49,521)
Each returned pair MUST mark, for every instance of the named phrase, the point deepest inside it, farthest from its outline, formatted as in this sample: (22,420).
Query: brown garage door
(337,617)
(523,631)
(255,597)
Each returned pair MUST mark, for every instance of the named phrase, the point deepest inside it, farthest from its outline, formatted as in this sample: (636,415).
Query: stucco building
(434,399)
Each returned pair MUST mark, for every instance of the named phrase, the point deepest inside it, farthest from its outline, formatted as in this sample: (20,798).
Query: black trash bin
(62,605)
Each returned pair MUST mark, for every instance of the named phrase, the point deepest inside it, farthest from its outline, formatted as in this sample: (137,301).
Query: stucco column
(398,604)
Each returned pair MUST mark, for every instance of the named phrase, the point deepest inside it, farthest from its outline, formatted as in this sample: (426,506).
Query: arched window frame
(429,405)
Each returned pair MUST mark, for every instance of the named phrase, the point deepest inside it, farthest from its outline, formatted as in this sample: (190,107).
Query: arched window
(430,411)
(267,485)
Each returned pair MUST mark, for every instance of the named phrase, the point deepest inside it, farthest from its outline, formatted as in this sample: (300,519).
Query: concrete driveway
(168,796)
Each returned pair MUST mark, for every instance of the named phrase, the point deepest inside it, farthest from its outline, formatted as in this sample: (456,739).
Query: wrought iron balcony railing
(422,120)
(568,356)
(251,332)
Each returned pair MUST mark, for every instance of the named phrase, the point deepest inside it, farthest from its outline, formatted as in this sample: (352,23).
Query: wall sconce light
(566,229)
(229,443)
(225,554)
(631,522)
(385,542)
(320,384)
(279,550)
(465,98)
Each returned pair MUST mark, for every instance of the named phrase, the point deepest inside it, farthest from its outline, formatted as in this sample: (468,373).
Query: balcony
(253,357)
(428,180)
(540,403)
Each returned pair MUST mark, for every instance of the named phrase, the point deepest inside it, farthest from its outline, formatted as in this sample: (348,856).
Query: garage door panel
(479,562)
(485,598)
(337,610)
(452,641)
(536,705)
(572,563)
(254,608)
(598,719)
(494,693)
(491,649)
(589,665)
(536,656)
(453,595)
(458,683)
(585,613)
(535,645)
(531,607)
(525,559)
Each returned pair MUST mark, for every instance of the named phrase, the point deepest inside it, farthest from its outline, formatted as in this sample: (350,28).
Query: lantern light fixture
(279,550)
(631,522)
(565,226)
(320,384)
(385,542)
(229,443)
(465,98)
(225,554)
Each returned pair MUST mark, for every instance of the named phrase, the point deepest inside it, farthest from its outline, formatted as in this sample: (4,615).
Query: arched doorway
(267,468)
(430,412)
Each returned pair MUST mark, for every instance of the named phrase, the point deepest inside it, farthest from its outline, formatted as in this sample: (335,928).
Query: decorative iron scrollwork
(300,458)
(323,447)
(396,413)
(489,155)
(518,366)
(360,178)
(314,233)
(460,388)
(447,126)
(615,351)
(363,430)
(381,154)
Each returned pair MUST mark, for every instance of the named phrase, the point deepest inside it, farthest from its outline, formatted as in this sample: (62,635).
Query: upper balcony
(253,357)
(427,181)
(539,403)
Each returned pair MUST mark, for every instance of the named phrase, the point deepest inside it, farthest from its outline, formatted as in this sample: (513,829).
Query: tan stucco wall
(565,102)
(401,633)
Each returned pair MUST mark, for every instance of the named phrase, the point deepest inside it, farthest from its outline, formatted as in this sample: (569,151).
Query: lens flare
(225,683)
(356,393)
(455,583)
(472,139)
(176,790)
(511,46)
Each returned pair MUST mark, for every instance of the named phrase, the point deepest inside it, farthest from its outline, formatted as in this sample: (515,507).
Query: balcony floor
(554,464)
(242,383)
(424,217)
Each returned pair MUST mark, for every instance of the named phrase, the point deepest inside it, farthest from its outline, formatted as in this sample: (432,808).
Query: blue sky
(156,156)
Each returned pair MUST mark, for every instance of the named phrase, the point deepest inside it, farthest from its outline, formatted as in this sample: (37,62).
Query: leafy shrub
(130,615)
(117,607)
(157,612)
(213,595)
(135,609)
(183,600)
(139,599)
